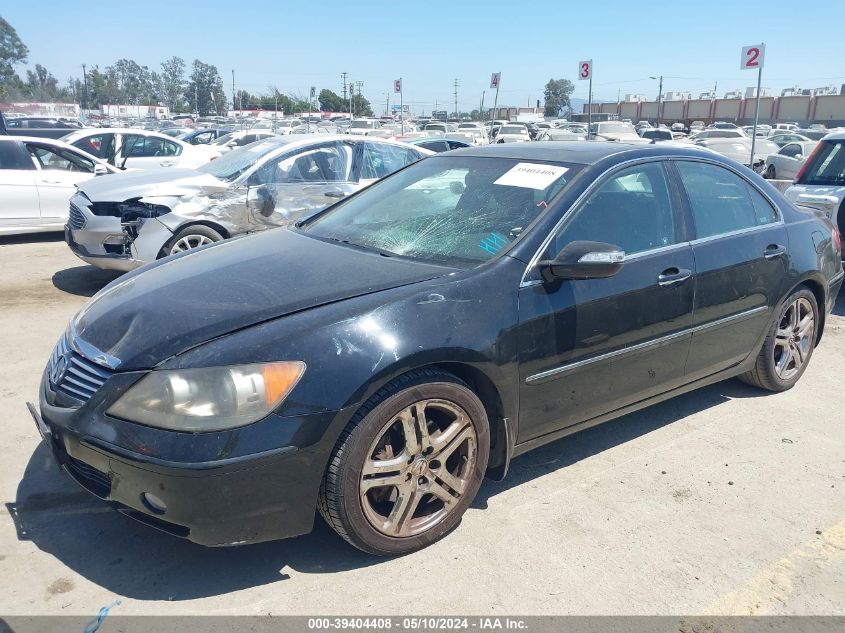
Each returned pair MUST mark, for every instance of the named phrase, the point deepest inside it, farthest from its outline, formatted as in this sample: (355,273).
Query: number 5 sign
(752,57)
(585,69)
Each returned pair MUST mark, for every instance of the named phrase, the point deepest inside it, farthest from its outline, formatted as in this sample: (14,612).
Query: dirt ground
(723,501)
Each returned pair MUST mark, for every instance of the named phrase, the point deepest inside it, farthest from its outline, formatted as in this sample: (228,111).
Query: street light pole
(659,97)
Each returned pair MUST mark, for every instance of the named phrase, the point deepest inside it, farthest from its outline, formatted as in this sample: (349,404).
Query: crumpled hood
(166,308)
(152,182)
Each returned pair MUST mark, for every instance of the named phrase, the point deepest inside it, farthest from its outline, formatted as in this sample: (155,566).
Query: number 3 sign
(752,57)
(585,69)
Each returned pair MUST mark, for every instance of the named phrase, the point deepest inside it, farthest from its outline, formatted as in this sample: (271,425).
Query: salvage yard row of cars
(411,321)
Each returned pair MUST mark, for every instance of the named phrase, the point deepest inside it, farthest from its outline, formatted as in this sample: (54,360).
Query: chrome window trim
(575,205)
(721,236)
(640,346)
(743,177)
(524,283)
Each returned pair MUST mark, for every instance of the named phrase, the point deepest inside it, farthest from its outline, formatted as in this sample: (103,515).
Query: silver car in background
(785,164)
(127,220)
(820,184)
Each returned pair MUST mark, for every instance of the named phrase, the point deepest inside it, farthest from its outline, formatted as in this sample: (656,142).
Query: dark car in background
(204,136)
(377,360)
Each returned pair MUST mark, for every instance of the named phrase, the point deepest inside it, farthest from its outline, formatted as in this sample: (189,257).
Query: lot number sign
(752,57)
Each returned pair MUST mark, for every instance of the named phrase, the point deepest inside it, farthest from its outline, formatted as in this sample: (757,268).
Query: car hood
(164,309)
(152,182)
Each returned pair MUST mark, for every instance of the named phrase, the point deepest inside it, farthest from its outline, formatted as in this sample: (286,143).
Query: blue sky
(293,45)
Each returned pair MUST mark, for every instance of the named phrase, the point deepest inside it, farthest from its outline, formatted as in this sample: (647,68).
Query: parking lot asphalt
(727,500)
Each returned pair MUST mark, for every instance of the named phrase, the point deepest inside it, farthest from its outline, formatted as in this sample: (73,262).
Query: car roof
(579,152)
(834,136)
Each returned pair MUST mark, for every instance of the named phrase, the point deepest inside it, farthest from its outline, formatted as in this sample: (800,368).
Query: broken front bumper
(103,242)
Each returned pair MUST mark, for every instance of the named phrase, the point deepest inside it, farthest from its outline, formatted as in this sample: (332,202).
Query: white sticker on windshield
(531,175)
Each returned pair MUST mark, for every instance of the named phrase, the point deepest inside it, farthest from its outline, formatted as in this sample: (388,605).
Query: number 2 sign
(752,57)
(585,69)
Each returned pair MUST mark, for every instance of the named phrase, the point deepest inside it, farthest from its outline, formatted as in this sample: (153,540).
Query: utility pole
(85,84)
(457,83)
(659,100)
(359,85)
(343,75)
(196,100)
(387,104)
(351,93)
(481,106)
(234,105)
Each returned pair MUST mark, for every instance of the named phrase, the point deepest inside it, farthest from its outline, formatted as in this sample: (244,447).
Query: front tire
(770,173)
(788,346)
(191,237)
(408,465)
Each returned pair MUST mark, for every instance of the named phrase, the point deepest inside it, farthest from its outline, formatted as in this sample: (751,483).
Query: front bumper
(229,498)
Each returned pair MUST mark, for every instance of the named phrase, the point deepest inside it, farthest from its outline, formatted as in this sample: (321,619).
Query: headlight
(210,398)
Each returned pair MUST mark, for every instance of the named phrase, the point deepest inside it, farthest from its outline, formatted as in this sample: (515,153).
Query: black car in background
(377,361)
(204,136)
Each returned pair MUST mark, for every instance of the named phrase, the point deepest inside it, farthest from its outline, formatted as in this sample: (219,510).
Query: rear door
(18,192)
(741,260)
(589,347)
(374,161)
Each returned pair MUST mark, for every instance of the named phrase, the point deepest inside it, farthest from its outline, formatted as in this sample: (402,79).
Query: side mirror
(260,200)
(100,170)
(799,157)
(232,144)
(583,260)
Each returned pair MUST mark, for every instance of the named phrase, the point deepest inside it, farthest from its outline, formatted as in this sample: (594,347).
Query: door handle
(774,250)
(51,182)
(672,276)
(166,163)
(334,194)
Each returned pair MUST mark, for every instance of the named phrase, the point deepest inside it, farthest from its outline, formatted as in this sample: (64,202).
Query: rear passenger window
(721,201)
(633,210)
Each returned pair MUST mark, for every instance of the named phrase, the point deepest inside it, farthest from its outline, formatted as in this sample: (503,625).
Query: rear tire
(770,173)
(789,345)
(408,465)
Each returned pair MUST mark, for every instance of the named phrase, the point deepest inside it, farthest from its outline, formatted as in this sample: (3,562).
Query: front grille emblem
(58,371)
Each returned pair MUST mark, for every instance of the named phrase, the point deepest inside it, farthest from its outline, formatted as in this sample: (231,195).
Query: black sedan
(376,361)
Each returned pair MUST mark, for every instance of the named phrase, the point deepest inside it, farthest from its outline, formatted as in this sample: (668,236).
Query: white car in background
(786,163)
(615,131)
(366,127)
(512,133)
(140,149)
(37,178)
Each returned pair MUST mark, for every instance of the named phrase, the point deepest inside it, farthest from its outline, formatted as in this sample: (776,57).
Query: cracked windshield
(448,210)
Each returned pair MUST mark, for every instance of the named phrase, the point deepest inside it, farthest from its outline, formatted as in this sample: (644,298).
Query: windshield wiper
(363,247)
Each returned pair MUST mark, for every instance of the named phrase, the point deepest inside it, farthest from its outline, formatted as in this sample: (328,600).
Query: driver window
(632,209)
(326,163)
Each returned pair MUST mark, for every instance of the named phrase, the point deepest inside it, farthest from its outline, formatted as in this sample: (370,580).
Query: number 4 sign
(585,69)
(752,57)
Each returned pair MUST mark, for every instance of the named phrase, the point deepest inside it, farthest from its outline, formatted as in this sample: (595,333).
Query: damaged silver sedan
(127,220)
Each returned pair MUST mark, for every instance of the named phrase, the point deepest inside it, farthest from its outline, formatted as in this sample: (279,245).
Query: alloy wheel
(418,468)
(794,338)
(190,241)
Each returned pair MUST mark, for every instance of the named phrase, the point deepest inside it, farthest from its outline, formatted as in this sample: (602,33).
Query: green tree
(172,83)
(204,92)
(557,96)
(360,105)
(12,51)
(41,85)
(330,101)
